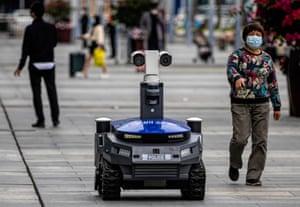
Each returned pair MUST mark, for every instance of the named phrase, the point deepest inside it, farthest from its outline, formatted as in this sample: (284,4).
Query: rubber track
(111,181)
(195,188)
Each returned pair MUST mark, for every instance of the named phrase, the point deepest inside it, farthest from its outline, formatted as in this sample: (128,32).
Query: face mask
(254,42)
(92,21)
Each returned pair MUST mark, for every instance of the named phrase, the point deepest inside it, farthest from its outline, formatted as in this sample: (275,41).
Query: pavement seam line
(21,154)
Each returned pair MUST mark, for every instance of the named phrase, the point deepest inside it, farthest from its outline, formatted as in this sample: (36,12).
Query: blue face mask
(92,21)
(253,41)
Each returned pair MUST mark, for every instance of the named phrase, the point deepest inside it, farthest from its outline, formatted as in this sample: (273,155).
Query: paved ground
(53,167)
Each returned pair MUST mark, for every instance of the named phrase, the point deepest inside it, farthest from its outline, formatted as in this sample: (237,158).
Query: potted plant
(60,11)
(281,19)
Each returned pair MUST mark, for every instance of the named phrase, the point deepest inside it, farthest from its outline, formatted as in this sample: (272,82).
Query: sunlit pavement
(54,166)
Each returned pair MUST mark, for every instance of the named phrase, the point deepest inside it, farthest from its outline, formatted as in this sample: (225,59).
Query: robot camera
(138,58)
(165,58)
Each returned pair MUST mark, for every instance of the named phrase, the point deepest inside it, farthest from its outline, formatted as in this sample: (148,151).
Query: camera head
(165,59)
(138,58)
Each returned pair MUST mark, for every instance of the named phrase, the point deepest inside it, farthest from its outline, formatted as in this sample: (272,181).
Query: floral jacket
(259,72)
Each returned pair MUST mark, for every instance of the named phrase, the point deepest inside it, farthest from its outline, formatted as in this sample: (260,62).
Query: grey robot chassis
(149,151)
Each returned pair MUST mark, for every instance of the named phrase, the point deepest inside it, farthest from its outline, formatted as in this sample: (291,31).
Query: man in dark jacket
(39,41)
(84,20)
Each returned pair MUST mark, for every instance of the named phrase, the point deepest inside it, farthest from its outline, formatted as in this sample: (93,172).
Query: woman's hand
(276,115)
(240,83)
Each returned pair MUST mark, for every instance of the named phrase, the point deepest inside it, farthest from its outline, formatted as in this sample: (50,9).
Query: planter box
(64,35)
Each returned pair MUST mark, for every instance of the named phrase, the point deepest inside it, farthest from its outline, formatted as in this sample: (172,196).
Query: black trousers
(112,36)
(36,77)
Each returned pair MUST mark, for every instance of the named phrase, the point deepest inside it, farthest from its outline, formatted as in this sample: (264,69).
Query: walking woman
(252,78)
(97,40)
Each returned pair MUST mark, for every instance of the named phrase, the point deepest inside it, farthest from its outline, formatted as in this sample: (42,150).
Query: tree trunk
(293,83)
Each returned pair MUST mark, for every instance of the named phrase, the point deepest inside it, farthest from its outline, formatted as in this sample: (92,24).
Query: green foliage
(131,11)
(58,9)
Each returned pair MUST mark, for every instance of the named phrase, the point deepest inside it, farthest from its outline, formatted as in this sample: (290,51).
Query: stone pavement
(53,167)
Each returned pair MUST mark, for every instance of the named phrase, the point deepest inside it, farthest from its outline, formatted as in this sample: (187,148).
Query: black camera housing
(165,59)
(138,58)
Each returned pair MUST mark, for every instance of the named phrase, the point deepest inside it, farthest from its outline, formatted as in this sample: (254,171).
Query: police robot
(150,151)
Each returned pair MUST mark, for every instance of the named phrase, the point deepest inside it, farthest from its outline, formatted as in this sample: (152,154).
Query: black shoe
(56,123)
(253,182)
(233,174)
(38,125)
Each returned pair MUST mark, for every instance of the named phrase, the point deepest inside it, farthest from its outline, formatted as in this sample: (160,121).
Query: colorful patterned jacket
(259,72)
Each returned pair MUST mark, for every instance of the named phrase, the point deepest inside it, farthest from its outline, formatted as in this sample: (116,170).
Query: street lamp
(237,42)
(211,24)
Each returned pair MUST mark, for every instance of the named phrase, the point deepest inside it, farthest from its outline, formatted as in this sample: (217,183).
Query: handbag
(99,57)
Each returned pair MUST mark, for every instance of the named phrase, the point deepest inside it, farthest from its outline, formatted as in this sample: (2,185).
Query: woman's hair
(97,20)
(38,9)
(252,26)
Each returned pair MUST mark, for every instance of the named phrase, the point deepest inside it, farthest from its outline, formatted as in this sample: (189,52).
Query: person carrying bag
(97,38)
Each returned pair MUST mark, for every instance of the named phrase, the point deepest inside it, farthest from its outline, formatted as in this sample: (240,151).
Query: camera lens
(165,59)
(138,59)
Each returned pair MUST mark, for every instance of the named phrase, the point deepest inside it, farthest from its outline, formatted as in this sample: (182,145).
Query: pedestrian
(84,21)
(112,36)
(39,41)
(153,26)
(96,36)
(252,78)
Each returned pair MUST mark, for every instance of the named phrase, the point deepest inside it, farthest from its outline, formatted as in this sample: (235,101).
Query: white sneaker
(79,75)
(104,76)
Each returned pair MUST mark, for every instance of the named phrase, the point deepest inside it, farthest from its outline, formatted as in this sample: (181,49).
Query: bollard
(195,124)
(103,125)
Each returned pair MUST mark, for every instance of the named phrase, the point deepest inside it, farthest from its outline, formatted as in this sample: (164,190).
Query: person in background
(84,22)
(97,40)
(39,41)
(112,36)
(111,28)
(152,25)
(252,78)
